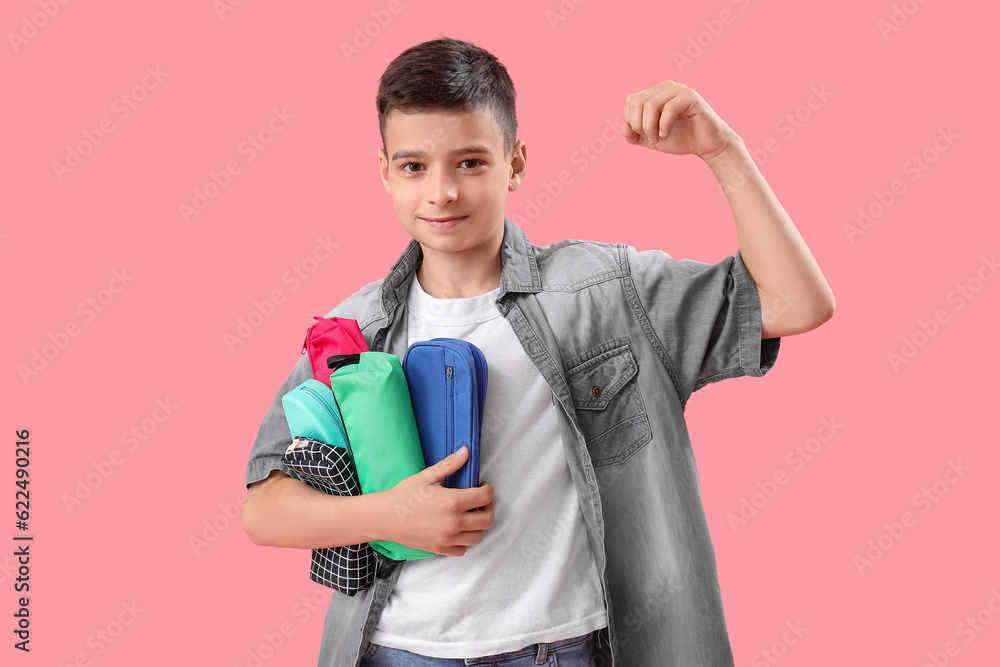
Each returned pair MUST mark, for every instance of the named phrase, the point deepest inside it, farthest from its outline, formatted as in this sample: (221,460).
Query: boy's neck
(445,275)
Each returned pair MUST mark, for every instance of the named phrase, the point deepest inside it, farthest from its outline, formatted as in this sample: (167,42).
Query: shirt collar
(519,272)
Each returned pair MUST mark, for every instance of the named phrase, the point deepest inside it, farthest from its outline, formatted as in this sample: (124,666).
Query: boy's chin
(456,245)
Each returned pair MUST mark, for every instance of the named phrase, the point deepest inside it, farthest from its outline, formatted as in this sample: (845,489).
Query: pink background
(127,539)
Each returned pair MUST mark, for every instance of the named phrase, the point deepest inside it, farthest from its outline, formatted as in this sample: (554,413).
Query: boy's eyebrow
(475,148)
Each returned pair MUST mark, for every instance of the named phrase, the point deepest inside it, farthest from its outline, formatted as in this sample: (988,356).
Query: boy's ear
(383,165)
(518,165)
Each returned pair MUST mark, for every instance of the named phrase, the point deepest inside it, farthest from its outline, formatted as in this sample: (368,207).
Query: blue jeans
(574,652)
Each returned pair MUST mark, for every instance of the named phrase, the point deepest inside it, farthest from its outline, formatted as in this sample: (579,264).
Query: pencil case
(348,568)
(447,379)
(320,455)
(372,395)
(328,336)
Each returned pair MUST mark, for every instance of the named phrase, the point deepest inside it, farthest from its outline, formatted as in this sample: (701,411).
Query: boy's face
(442,164)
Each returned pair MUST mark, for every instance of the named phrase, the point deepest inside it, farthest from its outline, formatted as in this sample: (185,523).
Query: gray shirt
(622,338)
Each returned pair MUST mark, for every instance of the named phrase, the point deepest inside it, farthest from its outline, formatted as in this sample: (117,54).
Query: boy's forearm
(794,294)
(289,513)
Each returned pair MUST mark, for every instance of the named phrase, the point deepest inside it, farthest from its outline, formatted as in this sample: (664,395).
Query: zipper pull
(448,372)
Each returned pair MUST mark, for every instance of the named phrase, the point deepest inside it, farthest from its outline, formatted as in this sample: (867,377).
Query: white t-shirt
(533,578)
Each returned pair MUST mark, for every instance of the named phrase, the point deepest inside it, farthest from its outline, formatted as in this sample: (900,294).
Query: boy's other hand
(436,518)
(672,118)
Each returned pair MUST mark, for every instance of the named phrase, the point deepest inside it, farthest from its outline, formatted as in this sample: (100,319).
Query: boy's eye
(418,165)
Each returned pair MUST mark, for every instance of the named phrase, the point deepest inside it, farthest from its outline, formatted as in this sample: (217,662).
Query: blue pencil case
(447,378)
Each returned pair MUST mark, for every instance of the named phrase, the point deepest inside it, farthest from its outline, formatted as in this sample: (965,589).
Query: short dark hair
(448,75)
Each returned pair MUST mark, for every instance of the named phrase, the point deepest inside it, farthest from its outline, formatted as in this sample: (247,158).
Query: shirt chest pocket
(604,386)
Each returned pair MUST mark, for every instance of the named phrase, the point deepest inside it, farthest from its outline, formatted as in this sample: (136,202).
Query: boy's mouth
(444,223)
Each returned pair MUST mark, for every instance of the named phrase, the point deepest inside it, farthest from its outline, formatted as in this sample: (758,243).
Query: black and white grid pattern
(349,568)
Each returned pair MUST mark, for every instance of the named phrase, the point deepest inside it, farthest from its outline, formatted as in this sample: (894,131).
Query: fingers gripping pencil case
(447,378)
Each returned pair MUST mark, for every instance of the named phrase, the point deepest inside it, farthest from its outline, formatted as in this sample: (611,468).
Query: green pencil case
(374,401)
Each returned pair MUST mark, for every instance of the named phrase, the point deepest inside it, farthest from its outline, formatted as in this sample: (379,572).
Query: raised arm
(794,296)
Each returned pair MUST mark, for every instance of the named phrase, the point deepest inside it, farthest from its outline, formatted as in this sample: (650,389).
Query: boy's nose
(440,188)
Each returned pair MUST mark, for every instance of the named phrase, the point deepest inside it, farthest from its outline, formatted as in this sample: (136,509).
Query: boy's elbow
(817,319)
(793,323)
(829,309)
(247,518)
(260,496)
(250,515)
(822,309)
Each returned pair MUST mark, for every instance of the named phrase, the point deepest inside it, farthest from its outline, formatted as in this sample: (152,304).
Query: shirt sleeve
(707,317)
(273,438)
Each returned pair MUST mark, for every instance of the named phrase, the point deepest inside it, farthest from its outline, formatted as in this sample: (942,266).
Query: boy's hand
(672,118)
(429,516)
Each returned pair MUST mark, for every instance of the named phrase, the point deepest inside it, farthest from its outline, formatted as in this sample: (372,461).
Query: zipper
(481,374)
(476,363)
(333,416)
(450,416)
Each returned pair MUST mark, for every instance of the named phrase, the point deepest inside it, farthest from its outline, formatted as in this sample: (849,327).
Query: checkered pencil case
(321,456)
(348,568)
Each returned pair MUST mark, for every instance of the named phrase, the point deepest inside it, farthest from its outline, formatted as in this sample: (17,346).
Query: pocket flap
(595,381)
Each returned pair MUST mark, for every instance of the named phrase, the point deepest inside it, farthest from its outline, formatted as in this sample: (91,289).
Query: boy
(590,542)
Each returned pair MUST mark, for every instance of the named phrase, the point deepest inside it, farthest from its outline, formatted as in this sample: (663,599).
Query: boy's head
(447,118)
(448,75)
